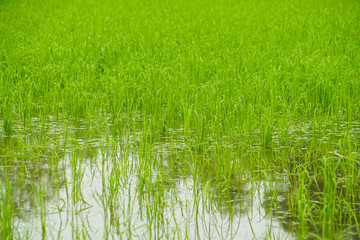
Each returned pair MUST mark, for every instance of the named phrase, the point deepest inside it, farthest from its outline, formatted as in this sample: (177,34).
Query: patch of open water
(96,193)
(186,211)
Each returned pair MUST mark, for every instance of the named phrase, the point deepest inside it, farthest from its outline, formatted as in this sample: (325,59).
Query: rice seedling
(179,119)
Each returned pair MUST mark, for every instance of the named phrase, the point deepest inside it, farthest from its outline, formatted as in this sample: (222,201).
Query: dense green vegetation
(225,93)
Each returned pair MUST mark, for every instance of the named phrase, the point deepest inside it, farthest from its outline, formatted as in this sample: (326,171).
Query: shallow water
(98,187)
(185,213)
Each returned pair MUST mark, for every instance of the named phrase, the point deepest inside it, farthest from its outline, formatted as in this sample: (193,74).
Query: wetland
(179,119)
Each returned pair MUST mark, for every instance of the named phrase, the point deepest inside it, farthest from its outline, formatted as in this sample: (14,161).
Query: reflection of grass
(225,93)
(322,190)
(28,168)
(6,211)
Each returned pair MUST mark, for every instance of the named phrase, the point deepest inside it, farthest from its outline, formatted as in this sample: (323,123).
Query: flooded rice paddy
(179,119)
(63,180)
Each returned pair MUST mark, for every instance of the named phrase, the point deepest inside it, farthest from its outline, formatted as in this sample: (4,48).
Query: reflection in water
(278,203)
(99,187)
(29,169)
(107,203)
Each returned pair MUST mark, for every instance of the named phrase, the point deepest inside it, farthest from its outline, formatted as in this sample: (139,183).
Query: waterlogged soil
(68,180)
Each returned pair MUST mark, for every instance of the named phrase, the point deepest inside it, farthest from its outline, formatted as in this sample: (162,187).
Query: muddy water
(89,189)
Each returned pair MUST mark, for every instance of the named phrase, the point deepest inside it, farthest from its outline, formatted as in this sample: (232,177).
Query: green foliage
(214,90)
